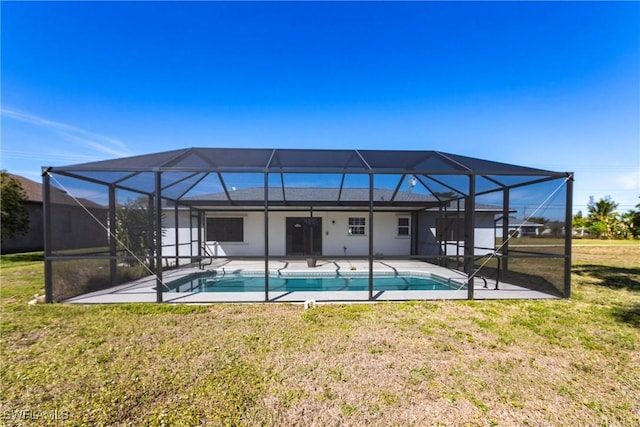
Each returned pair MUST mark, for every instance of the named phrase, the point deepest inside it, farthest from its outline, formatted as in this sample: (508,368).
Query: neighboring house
(520,228)
(581,233)
(71,227)
(33,240)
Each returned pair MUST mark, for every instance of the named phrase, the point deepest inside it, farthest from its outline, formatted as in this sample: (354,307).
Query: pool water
(206,282)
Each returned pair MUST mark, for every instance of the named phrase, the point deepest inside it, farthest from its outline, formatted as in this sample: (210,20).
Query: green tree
(625,225)
(15,218)
(632,222)
(134,229)
(603,217)
(598,229)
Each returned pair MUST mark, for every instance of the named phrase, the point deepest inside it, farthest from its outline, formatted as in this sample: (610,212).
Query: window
(225,230)
(357,226)
(403,227)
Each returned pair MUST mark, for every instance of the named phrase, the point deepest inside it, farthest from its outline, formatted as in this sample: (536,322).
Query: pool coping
(144,290)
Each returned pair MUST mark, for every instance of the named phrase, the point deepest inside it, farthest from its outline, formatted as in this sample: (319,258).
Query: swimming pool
(210,282)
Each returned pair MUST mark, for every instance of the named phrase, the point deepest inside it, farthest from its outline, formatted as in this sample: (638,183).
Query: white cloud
(100,143)
(118,151)
(628,180)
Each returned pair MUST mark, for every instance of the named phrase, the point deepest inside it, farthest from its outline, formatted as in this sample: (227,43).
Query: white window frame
(407,227)
(358,224)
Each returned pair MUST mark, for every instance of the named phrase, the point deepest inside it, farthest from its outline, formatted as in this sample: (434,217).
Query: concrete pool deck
(144,290)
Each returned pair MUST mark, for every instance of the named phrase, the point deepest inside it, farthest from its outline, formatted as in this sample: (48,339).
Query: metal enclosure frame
(193,166)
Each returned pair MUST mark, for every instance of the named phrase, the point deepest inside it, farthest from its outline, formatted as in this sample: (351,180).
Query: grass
(566,362)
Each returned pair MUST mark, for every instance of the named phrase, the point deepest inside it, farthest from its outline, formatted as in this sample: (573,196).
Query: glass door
(304,236)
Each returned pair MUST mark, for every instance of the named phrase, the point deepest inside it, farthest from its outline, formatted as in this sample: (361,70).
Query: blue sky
(543,84)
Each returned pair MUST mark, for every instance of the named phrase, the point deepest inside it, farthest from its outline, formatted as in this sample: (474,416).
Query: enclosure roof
(303,160)
(194,175)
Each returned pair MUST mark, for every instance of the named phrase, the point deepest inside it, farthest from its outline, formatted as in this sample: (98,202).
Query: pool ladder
(208,254)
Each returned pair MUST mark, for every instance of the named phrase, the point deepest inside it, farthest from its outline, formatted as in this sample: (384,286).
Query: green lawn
(564,362)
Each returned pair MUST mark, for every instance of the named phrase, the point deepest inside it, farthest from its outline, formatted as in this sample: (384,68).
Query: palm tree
(603,216)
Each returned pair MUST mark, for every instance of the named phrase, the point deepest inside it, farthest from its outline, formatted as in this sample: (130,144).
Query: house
(405,228)
(75,228)
(520,228)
